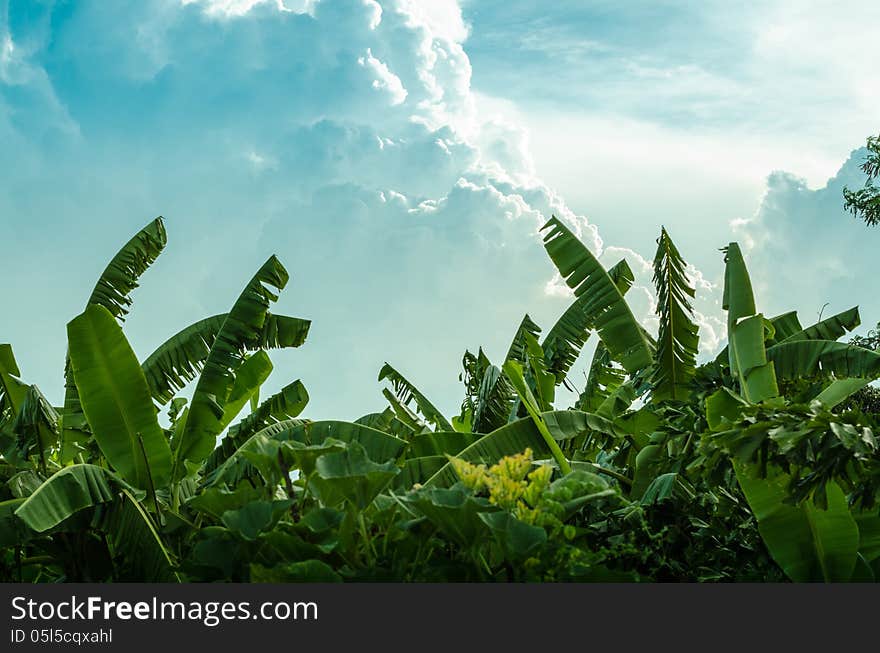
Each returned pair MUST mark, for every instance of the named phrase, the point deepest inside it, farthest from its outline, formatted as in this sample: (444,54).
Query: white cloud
(805,253)
(384,80)
(347,139)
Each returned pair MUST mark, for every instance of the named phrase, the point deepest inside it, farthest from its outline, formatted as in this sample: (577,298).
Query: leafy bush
(760,464)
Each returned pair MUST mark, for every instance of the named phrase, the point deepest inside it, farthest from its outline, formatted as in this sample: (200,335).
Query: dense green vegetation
(760,464)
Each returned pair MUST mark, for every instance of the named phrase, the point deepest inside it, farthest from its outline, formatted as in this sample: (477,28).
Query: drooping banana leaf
(228,462)
(67,492)
(609,313)
(786,325)
(810,544)
(796,359)
(138,553)
(839,390)
(113,292)
(243,324)
(678,340)
(178,360)
(181,358)
(407,392)
(116,400)
(830,328)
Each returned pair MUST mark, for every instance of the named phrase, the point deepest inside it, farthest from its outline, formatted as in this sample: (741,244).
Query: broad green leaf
(404,415)
(120,277)
(116,400)
(830,328)
(455,512)
(756,375)
(746,352)
(286,404)
(137,549)
(378,445)
(439,443)
(543,382)
(216,501)
(493,401)
(737,299)
(350,476)
(786,325)
(178,360)
(609,313)
(418,470)
(648,464)
(242,325)
(181,358)
(280,407)
(248,379)
(797,359)
(566,339)
(839,390)
(514,537)
(723,407)
(809,544)
(255,517)
(869,534)
(113,292)
(67,492)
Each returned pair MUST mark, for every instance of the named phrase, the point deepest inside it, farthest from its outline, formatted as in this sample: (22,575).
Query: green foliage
(761,464)
(864,203)
(677,341)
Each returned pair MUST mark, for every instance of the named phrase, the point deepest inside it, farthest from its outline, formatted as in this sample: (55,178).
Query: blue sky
(399,156)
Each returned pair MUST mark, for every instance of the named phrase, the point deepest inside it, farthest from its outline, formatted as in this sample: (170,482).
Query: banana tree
(97,483)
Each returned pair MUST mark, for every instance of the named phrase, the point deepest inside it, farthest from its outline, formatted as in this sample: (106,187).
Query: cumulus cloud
(805,253)
(344,136)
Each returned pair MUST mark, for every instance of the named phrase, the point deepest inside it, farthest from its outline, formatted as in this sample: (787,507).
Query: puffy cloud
(342,135)
(805,253)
